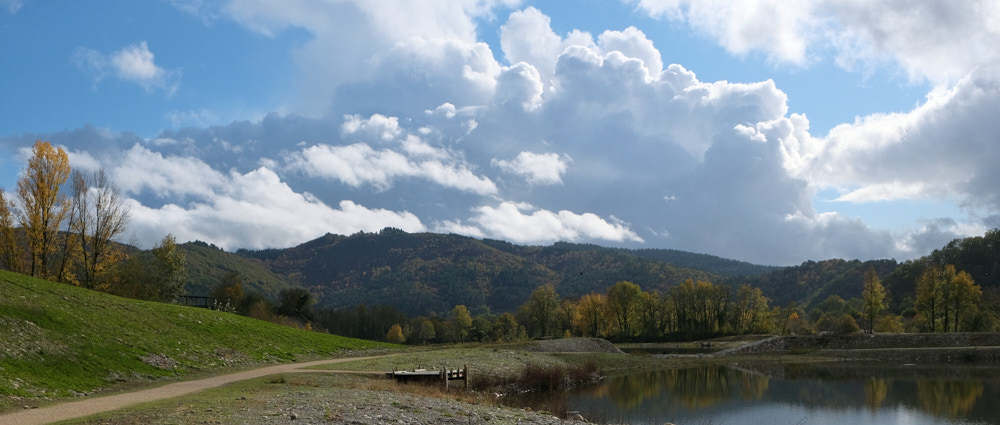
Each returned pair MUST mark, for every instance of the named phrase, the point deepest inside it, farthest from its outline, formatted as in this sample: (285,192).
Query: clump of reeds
(537,377)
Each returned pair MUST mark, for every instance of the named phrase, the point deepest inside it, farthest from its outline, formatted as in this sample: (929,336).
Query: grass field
(59,341)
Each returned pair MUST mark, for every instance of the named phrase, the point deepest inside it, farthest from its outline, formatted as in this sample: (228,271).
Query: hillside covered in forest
(423,273)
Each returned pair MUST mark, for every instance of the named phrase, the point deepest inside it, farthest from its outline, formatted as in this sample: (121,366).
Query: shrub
(889,323)
(846,325)
(538,377)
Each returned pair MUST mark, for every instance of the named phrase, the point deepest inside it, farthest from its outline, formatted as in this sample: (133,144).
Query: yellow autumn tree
(463,321)
(540,309)
(873,299)
(43,209)
(395,334)
(590,315)
(623,304)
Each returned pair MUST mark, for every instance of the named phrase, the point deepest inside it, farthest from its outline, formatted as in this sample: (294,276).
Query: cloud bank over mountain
(403,116)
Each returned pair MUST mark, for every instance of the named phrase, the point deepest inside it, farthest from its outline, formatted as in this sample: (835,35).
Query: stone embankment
(944,347)
(573,345)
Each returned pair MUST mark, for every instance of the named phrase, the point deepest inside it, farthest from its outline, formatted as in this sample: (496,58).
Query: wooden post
(465,375)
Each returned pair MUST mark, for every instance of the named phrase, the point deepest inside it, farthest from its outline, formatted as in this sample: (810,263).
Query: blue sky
(765,131)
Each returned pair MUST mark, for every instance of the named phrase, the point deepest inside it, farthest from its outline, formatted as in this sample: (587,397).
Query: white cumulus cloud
(523,223)
(359,164)
(134,63)
(537,168)
(258,210)
(943,148)
(409,157)
(936,40)
(354,41)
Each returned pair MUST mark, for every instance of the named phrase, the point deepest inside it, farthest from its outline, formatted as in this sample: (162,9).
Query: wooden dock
(443,375)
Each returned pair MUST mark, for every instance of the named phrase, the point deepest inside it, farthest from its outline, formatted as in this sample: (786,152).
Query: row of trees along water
(948,301)
(45,233)
(623,312)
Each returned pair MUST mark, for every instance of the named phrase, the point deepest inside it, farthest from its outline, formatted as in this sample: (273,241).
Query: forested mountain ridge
(425,272)
(813,281)
(422,273)
(208,265)
(709,263)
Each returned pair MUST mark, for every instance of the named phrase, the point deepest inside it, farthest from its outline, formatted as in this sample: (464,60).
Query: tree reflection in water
(875,392)
(948,398)
(692,387)
(821,393)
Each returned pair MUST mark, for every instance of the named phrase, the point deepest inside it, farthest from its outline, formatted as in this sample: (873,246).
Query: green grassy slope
(57,340)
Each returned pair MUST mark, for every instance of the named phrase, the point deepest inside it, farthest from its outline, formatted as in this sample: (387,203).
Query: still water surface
(795,394)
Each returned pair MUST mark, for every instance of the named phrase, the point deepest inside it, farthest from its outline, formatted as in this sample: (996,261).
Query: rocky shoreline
(918,348)
(318,398)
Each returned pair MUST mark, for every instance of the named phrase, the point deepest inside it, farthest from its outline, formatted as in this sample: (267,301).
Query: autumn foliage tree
(873,299)
(928,295)
(395,334)
(540,310)
(42,208)
(623,303)
(589,320)
(45,234)
(462,321)
(946,298)
(962,300)
(751,311)
(701,307)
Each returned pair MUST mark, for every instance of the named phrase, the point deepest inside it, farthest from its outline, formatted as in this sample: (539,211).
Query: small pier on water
(444,375)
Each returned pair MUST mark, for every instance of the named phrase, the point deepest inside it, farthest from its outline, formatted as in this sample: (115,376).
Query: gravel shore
(314,398)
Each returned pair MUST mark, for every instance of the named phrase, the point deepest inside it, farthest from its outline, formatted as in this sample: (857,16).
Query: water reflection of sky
(719,396)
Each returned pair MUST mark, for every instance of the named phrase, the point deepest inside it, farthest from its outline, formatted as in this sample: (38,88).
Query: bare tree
(99,215)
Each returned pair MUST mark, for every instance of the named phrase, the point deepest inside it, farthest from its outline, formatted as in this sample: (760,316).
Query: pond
(826,393)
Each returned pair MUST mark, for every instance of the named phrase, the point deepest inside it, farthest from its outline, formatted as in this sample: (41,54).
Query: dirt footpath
(78,409)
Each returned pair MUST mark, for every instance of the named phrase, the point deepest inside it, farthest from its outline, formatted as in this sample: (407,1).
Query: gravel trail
(78,409)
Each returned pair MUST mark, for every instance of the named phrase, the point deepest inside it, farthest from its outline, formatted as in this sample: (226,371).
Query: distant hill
(977,255)
(813,281)
(208,265)
(60,340)
(424,272)
(705,262)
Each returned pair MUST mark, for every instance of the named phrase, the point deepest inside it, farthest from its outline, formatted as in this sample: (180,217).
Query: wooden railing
(443,375)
